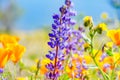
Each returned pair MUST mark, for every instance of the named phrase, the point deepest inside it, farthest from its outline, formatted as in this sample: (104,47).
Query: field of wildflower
(67,50)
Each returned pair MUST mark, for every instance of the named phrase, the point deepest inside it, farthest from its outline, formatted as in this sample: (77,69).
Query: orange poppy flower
(4,56)
(9,49)
(4,39)
(43,69)
(115,36)
(17,52)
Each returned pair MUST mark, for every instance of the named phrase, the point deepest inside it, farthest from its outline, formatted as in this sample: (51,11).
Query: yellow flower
(109,44)
(88,21)
(33,68)
(88,59)
(71,68)
(21,78)
(102,26)
(115,36)
(43,69)
(86,46)
(87,18)
(116,56)
(104,15)
(109,59)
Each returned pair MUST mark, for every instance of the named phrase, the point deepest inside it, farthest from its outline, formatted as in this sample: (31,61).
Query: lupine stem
(57,50)
(55,61)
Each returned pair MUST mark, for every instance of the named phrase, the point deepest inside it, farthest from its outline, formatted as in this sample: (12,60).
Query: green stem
(112,75)
(67,60)
(105,76)
(114,65)
(36,73)
(113,71)
(38,68)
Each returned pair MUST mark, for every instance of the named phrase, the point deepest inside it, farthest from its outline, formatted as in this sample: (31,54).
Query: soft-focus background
(31,21)
(33,14)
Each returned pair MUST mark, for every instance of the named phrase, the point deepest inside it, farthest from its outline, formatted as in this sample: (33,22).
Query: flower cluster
(60,29)
(77,67)
(73,52)
(75,42)
(9,50)
(107,58)
(91,52)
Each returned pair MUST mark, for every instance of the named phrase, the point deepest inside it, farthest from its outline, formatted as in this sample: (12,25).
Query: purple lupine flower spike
(58,37)
(103,56)
(74,45)
(1,70)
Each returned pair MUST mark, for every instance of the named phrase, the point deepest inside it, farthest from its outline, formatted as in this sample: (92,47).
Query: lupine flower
(77,67)
(10,49)
(115,36)
(106,67)
(106,61)
(1,70)
(106,64)
(75,43)
(77,64)
(103,56)
(103,60)
(59,35)
(75,46)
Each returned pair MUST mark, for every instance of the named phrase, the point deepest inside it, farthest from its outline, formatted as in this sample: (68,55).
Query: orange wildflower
(17,52)
(4,56)
(5,39)
(10,49)
(76,65)
(70,69)
(109,60)
(43,69)
(115,36)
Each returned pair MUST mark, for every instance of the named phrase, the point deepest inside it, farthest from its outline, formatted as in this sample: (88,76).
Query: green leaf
(64,77)
(21,64)
(109,52)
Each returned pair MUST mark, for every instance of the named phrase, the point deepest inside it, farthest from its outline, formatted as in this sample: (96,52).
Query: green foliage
(64,77)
